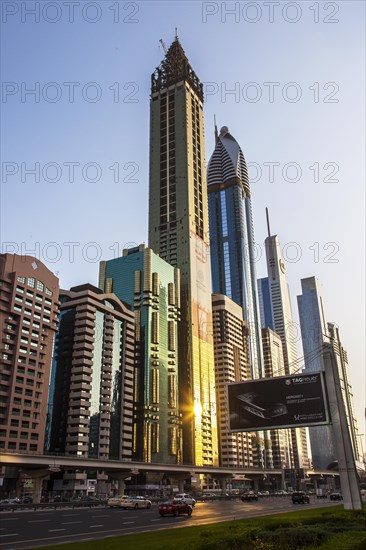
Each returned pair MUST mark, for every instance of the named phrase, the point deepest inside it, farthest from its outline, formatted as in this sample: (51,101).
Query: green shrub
(344,541)
(295,537)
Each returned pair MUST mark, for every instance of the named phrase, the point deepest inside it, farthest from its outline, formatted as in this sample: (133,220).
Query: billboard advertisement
(280,402)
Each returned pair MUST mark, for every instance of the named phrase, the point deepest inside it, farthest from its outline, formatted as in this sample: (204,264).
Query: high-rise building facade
(282,323)
(90,410)
(232,237)
(151,286)
(231,365)
(178,232)
(281,440)
(315,331)
(342,361)
(28,323)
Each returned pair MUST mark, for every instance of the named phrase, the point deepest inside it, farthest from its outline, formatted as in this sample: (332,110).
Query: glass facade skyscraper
(316,331)
(151,286)
(232,237)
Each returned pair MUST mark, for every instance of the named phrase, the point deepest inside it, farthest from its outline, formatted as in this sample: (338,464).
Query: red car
(175,508)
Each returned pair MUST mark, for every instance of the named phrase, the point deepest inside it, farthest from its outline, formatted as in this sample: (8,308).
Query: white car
(188,499)
(115,502)
(135,502)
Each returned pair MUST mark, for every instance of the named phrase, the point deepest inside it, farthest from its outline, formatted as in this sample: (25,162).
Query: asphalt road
(31,529)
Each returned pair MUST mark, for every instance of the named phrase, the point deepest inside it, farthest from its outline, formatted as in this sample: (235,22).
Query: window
(155,328)
(40,286)
(21,279)
(49,292)
(31,282)
(171,335)
(155,385)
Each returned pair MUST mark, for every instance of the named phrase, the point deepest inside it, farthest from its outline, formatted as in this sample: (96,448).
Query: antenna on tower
(164,46)
(267,216)
(176,32)
(216,132)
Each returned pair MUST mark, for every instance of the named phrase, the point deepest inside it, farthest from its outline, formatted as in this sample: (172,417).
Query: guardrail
(53,505)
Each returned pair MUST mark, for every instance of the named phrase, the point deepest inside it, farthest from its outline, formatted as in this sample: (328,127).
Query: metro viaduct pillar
(37,476)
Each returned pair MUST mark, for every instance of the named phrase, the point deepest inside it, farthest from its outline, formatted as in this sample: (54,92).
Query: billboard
(280,402)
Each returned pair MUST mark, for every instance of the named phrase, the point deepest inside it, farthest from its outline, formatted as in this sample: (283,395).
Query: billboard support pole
(346,462)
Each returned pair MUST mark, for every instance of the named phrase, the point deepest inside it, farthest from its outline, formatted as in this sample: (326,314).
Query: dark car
(175,508)
(336,496)
(26,500)
(249,496)
(299,497)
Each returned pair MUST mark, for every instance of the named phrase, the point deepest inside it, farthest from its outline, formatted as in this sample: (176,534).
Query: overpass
(41,466)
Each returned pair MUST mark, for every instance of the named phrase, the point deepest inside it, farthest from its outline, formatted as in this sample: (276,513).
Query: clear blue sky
(324,130)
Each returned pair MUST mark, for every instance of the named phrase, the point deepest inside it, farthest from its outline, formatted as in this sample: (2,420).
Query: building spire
(216,132)
(267,216)
(173,69)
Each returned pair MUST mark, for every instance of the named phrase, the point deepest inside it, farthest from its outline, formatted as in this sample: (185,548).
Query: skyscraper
(280,314)
(231,365)
(315,331)
(178,232)
(151,286)
(92,382)
(341,358)
(231,237)
(28,324)
(281,444)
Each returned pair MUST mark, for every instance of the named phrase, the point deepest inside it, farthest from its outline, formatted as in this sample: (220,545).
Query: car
(175,507)
(300,497)
(115,502)
(188,499)
(207,496)
(26,500)
(135,502)
(249,496)
(336,496)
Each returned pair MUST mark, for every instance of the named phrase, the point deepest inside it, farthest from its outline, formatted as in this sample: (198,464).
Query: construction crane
(164,46)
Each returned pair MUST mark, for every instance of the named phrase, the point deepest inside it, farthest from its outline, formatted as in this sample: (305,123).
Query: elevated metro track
(36,462)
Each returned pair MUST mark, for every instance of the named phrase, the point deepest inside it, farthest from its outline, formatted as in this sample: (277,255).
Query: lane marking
(105,516)
(70,515)
(101,525)
(71,522)
(38,520)
(53,530)
(127,522)
(11,535)
(9,519)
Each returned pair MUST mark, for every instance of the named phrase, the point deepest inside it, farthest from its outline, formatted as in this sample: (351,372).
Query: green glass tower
(178,232)
(151,286)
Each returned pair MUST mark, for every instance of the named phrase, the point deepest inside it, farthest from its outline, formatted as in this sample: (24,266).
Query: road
(31,529)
